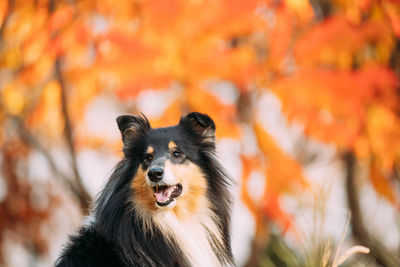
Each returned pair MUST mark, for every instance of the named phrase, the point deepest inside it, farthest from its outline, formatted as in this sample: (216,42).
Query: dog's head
(168,173)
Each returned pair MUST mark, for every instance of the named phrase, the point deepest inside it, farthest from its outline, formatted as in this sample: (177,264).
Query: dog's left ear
(201,124)
(132,126)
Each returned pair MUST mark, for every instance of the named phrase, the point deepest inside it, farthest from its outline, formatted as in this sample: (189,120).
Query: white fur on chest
(192,237)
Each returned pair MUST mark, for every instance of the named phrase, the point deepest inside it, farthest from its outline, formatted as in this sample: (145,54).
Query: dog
(167,202)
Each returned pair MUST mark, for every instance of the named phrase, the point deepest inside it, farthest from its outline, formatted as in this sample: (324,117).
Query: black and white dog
(166,204)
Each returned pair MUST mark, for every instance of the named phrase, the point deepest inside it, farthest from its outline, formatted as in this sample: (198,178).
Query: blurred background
(305,96)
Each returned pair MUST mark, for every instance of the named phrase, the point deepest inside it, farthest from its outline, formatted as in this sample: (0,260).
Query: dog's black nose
(156,173)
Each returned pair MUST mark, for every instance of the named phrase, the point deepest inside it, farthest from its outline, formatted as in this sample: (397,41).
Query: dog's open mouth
(165,194)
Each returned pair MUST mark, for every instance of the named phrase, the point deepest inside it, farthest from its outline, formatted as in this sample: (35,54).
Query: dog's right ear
(200,124)
(132,126)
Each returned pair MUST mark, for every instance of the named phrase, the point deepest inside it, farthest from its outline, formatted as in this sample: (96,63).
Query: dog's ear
(201,124)
(132,126)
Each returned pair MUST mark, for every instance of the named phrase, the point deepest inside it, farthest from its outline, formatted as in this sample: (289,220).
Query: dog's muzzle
(163,193)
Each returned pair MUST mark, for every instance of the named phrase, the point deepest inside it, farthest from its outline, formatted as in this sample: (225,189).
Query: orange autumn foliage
(334,71)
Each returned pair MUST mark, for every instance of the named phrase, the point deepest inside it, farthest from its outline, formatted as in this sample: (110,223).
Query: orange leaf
(393,12)
(382,185)
(250,164)
(333,104)
(323,44)
(60,18)
(13,98)
(269,205)
(284,174)
(161,14)
(280,39)
(302,8)
(273,210)
(47,116)
(384,136)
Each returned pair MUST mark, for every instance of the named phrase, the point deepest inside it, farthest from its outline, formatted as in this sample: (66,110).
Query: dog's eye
(148,157)
(177,153)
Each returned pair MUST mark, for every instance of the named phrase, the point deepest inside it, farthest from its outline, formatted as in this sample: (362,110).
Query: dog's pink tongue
(164,195)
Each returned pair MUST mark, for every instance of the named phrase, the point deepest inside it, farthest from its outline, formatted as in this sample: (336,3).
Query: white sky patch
(62,160)
(62,223)
(256,185)
(380,216)
(154,102)
(243,230)
(90,56)
(38,166)
(99,24)
(39,198)
(271,117)
(268,14)
(226,91)
(16,254)
(250,146)
(228,151)
(243,223)
(100,118)
(95,167)
(321,212)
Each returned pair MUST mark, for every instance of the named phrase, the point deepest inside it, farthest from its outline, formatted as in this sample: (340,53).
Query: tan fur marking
(143,198)
(150,150)
(172,145)
(194,189)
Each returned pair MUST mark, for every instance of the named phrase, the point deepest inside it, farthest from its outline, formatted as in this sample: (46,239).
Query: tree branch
(360,232)
(84,196)
(30,140)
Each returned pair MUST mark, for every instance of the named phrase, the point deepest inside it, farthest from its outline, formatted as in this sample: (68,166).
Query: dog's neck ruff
(192,238)
(198,235)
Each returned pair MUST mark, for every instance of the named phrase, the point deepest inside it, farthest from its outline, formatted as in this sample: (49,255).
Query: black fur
(115,237)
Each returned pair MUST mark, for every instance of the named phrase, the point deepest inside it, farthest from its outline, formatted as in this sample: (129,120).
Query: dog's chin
(166,195)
